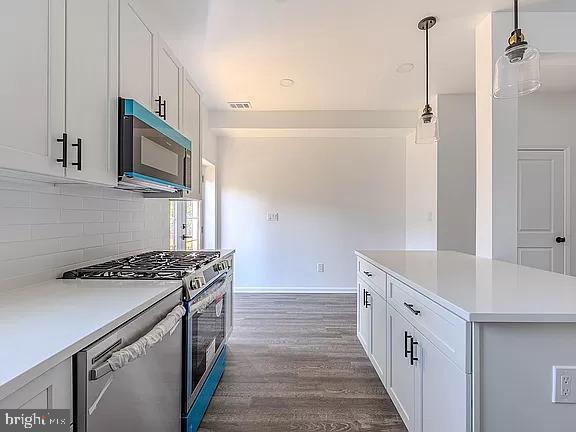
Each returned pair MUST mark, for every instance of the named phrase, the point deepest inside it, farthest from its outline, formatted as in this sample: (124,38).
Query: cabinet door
(379,336)
(136,57)
(442,398)
(51,390)
(92,90)
(364,316)
(190,125)
(229,308)
(401,373)
(32,42)
(169,82)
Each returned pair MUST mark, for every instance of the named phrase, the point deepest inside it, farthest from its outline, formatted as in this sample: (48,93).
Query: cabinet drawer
(448,332)
(372,274)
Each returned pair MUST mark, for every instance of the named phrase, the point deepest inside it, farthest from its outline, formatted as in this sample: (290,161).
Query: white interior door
(542,210)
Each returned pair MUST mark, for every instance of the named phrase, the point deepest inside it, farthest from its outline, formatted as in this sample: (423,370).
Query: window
(185,225)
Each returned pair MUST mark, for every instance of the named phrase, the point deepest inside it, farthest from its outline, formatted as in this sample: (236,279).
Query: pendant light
(517,71)
(427,128)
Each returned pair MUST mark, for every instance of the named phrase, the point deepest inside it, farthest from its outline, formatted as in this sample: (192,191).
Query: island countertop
(481,289)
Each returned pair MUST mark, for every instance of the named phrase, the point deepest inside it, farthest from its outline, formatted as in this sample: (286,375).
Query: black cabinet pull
(78,163)
(406,350)
(411,307)
(368,274)
(413,344)
(364,303)
(161,105)
(64,158)
(560,239)
(368,295)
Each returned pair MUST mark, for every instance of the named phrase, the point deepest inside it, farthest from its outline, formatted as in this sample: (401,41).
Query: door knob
(560,239)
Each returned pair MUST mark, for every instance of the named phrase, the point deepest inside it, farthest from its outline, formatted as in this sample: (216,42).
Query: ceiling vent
(240,105)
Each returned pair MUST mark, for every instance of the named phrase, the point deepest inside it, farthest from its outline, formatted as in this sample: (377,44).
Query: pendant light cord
(427,101)
(516,20)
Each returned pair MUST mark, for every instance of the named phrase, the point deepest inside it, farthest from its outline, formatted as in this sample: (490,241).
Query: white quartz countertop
(481,289)
(42,325)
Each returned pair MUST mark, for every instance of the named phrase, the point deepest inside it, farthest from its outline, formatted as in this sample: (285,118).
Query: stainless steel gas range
(206,314)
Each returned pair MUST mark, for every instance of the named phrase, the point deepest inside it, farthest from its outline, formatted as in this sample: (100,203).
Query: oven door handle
(120,358)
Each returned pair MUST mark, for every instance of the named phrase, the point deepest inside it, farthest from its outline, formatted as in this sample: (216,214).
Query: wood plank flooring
(294,364)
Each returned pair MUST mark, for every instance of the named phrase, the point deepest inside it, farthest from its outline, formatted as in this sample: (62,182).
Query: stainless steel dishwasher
(144,394)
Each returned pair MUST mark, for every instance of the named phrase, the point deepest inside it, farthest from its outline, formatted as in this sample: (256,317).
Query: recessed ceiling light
(405,68)
(287,82)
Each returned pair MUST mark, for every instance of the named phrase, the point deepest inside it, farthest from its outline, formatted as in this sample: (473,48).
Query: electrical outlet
(320,267)
(272,217)
(564,384)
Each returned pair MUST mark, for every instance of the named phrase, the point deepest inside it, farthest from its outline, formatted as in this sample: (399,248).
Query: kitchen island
(469,344)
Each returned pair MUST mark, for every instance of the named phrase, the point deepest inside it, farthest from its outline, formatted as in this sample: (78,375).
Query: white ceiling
(342,54)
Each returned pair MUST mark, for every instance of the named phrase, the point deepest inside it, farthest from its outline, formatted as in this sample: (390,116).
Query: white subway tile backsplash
(101,228)
(81,242)
(131,226)
(22,249)
(27,216)
(14,233)
(14,198)
(46,229)
(82,216)
(100,204)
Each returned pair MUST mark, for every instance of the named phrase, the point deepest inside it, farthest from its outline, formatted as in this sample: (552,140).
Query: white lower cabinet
(379,335)
(51,390)
(401,374)
(441,393)
(430,389)
(364,316)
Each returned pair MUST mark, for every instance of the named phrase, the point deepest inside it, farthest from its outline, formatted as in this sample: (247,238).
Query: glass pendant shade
(427,129)
(517,72)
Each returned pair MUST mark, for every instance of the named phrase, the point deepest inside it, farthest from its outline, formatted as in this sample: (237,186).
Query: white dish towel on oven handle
(137,349)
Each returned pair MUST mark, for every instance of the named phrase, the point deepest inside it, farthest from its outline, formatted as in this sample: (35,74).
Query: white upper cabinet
(92,90)
(190,125)
(32,42)
(168,83)
(136,57)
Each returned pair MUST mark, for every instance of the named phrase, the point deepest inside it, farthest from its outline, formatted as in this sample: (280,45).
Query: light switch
(272,217)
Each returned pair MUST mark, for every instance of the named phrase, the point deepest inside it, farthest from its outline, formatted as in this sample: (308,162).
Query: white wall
(420,195)
(547,121)
(47,229)
(457,173)
(332,196)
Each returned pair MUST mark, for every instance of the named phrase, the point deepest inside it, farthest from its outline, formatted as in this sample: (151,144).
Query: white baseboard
(296,290)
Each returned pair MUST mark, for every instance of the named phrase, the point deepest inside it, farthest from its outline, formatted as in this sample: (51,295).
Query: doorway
(543,210)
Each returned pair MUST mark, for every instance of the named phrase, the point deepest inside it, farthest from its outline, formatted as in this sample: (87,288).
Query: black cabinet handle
(560,239)
(411,307)
(161,105)
(64,158)
(406,350)
(368,274)
(364,301)
(78,163)
(368,295)
(413,344)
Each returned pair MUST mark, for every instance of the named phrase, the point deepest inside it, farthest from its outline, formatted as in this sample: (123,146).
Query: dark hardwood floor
(294,364)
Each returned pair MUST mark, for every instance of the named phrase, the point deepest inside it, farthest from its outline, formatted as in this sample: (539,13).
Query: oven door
(205,333)
(152,154)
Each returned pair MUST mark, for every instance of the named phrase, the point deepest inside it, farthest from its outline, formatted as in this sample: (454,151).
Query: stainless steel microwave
(152,155)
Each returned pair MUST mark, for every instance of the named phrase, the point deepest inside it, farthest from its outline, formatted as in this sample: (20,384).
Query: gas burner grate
(161,265)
